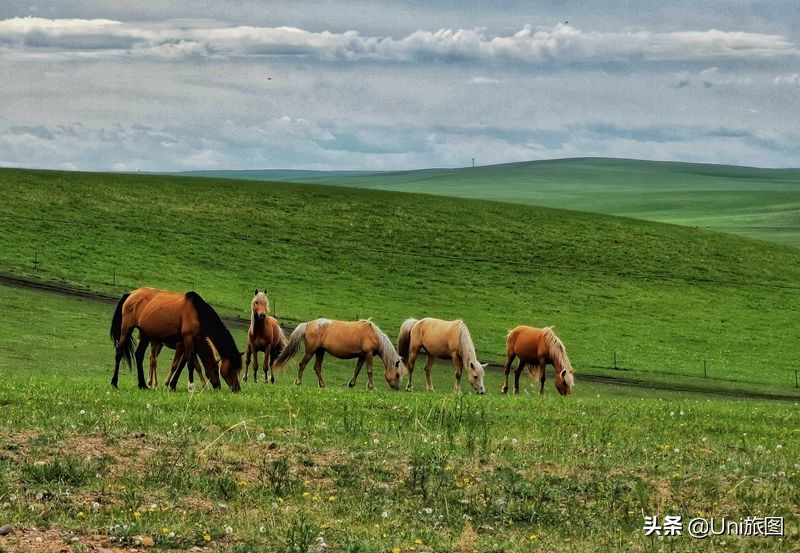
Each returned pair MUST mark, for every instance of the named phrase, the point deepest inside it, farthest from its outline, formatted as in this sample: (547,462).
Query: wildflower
(331,498)
(165,530)
(137,515)
(81,515)
(384,515)
(83,411)
(294,415)
(280,500)
(229,530)
(306,494)
(206,537)
(395,550)
(533,537)
(418,541)
(261,436)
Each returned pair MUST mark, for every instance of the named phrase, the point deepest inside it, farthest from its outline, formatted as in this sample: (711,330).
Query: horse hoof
(191,388)
(504,390)
(296,382)
(370,386)
(351,384)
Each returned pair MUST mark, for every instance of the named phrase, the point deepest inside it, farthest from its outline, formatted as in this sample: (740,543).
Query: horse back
(527,343)
(439,338)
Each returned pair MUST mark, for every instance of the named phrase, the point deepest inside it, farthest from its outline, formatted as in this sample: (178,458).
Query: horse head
(260,305)
(229,368)
(475,376)
(394,373)
(564,382)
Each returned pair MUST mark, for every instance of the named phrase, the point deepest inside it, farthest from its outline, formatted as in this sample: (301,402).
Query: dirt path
(604,379)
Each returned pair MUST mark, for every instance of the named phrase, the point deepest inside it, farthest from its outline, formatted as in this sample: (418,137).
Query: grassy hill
(662,298)
(758,203)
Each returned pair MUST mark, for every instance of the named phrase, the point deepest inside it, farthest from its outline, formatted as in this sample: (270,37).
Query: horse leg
(247,362)
(369,372)
(302,366)
(543,375)
(507,369)
(203,382)
(517,372)
(255,366)
(412,358)
(318,367)
(141,350)
(177,358)
(125,335)
(428,365)
(458,365)
(152,376)
(359,363)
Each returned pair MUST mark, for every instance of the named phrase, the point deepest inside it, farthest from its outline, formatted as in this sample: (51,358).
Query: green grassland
(663,297)
(758,203)
(280,468)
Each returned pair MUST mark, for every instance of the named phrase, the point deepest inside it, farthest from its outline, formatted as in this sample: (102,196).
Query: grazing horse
(345,340)
(265,334)
(536,348)
(205,352)
(172,317)
(441,340)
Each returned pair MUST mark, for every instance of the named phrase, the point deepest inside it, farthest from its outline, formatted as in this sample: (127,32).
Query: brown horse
(537,348)
(265,334)
(205,353)
(441,340)
(345,340)
(172,317)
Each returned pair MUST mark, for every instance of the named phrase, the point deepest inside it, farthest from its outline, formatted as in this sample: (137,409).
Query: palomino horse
(536,348)
(345,340)
(265,334)
(172,317)
(205,352)
(441,340)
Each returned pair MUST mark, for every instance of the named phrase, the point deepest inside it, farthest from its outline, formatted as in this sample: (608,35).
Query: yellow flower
(331,498)
(165,530)
(137,515)
(294,415)
(306,494)
(81,515)
(418,541)
(280,500)
(206,537)
(395,550)
(533,537)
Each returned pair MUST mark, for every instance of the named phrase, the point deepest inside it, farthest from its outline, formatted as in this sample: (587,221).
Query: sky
(159,85)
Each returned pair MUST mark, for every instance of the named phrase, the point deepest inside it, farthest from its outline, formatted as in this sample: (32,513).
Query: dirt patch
(51,540)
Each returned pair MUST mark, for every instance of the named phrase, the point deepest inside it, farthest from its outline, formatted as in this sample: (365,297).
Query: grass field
(758,203)
(288,469)
(296,469)
(664,298)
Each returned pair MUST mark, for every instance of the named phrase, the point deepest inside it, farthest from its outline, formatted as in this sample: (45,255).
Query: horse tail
(291,348)
(116,331)
(404,339)
(277,347)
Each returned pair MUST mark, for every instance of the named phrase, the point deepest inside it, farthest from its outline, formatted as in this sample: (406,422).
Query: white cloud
(793,79)
(560,44)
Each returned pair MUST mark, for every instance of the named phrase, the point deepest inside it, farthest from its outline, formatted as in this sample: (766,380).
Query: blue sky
(161,86)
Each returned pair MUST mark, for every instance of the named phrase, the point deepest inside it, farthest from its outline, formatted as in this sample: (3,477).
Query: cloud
(709,78)
(793,79)
(560,44)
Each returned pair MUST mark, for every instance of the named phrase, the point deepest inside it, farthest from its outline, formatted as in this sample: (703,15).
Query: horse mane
(466,347)
(386,349)
(557,351)
(212,327)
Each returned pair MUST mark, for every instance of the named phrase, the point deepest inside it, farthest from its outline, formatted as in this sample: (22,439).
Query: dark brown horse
(172,317)
(265,334)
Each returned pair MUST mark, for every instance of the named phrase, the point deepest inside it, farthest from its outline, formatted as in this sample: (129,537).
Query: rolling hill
(758,203)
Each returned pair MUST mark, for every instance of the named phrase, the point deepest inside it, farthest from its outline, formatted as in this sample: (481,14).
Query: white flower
(149,406)
(83,411)
(513,441)
(229,530)
(677,450)
(375,441)
(384,515)
(779,446)
(95,505)
(427,511)
(261,436)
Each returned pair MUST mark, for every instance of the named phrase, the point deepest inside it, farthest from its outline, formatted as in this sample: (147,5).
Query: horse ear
(265,292)
(484,365)
(256,292)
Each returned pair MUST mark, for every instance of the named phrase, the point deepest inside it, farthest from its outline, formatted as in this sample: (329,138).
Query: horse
(205,352)
(265,334)
(172,317)
(441,340)
(344,340)
(536,348)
